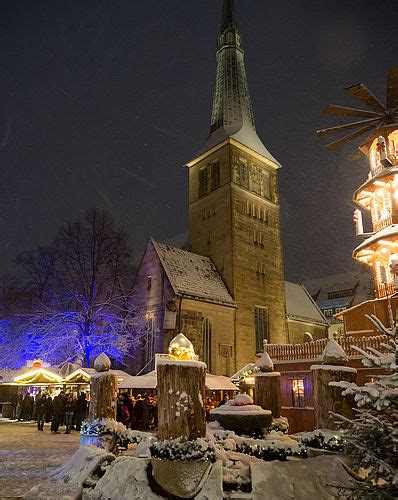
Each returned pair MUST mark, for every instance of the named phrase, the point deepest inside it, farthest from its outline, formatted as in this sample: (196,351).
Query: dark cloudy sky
(102,103)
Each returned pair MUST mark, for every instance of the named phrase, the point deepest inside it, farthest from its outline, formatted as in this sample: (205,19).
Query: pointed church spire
(228,15)
(232,114)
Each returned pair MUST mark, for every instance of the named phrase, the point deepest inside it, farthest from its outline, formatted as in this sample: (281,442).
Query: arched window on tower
(206,336)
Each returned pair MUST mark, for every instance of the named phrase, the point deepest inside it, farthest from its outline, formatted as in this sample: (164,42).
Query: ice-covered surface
(192,275)
(334,354)
(102,363)
(334,368)
(265,362)
(84,467)
(317,478)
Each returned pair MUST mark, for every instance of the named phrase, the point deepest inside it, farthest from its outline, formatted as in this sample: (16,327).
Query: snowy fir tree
(372,436)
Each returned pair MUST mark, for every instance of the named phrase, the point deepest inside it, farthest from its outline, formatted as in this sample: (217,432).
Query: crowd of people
(65,409)
(137,413)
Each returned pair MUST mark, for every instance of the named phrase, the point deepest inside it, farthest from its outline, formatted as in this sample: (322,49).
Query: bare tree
(80,292)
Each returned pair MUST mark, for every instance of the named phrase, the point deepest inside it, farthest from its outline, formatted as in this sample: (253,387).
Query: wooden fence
(314,349)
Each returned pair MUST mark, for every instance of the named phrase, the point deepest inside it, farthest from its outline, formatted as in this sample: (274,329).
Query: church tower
(234,212)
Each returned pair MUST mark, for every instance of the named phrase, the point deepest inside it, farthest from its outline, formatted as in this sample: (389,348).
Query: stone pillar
(181,392)
(329,398)
(103,390)
(267,390)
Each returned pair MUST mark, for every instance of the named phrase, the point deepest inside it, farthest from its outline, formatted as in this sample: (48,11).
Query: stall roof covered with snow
(300,305)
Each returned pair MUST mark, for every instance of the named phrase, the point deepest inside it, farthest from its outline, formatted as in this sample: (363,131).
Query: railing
(384,289)
(382,223)
(314,349)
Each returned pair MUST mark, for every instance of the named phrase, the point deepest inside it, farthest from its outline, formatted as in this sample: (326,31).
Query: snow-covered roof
(384,233)
(300,306)
(193,275)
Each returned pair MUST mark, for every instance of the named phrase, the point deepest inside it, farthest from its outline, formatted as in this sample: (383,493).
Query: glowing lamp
(181,348)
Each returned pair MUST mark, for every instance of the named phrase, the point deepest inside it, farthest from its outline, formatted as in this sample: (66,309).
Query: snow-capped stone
(102,363)
(265,363)
(334,354)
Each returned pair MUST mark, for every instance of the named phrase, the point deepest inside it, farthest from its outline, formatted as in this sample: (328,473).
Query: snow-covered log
(181,391)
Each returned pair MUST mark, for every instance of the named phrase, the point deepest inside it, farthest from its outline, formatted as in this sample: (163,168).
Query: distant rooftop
(300,306)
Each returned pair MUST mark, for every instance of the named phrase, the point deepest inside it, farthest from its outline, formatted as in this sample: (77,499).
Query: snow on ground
(27,456)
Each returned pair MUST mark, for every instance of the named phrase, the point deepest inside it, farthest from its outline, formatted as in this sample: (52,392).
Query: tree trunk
(328,398)
(181,392)
(267,392)
(103,395)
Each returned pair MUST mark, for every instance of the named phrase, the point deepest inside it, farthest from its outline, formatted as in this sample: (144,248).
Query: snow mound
(240,399)
(239,410)
(125,479)
(334,354)
(265,363)
(320,477)
(102,363)
(84,467)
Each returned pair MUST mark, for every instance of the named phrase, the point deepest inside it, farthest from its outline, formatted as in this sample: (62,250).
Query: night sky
(102,103)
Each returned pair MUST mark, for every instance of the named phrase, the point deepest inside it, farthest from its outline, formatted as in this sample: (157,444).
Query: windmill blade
(364,95)
(392,88)
(349,137)
(347,126)
(335,109)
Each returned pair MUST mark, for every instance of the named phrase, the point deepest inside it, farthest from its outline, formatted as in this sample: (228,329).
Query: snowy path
(27,455)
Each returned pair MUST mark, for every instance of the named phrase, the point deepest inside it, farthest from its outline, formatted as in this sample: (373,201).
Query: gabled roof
(300,306)
(193,275)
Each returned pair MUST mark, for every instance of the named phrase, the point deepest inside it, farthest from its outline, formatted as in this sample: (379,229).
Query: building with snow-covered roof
(305,320)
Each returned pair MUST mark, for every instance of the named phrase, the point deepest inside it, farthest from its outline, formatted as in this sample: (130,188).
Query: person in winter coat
(122,412)
(49,409)
(70,407)
(41,411)
(58,412)
(81,410)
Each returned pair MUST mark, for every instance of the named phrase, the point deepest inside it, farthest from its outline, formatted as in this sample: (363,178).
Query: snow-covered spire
(232,114)
(334,354)
(102,363)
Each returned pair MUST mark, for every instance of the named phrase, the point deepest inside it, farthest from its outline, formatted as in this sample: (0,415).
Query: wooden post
(267,389)
(103,390)
(181,392)
(328,398)
(267,392)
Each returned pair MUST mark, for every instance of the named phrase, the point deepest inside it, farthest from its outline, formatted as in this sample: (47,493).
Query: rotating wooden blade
(347,126)
(364,95)
(335,109)
(349,137)
(392,88)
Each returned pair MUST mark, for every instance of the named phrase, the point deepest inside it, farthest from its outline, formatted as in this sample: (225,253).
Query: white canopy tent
(149,381)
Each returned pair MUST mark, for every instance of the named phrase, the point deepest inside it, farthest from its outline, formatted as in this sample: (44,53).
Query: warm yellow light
(74,374)
(249,380)
(181,348)
(379,183)
(32,376)
(384,250)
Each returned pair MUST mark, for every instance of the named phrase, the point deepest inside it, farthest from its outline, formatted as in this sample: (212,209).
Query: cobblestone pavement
(27,456)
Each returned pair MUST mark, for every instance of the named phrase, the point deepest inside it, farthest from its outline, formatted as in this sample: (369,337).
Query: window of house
(215,175)
(203,176)
(206,336)
(298,392)
(261,325)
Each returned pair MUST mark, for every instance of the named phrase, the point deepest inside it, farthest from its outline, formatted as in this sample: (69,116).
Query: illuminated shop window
(298,393)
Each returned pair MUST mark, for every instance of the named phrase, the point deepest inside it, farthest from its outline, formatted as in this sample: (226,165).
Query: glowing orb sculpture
(181,348)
